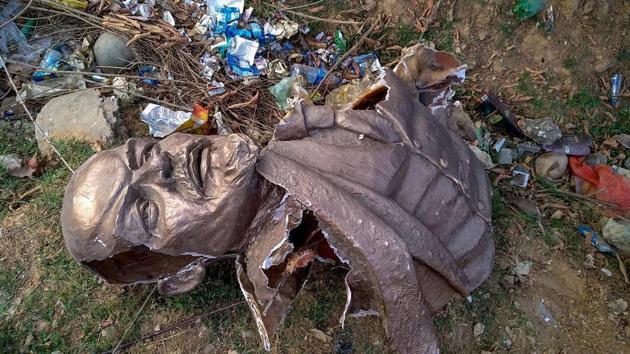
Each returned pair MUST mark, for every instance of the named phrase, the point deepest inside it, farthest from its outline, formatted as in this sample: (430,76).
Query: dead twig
(136,77)
(135,318)
(244,104)
(315,18)
(179,325)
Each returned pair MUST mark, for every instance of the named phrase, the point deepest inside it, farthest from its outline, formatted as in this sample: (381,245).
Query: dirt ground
(564,305)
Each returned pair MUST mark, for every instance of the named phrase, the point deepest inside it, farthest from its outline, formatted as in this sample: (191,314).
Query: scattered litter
(526,9)
(602,182)
(607,272)
(506,157)
(222,127)
(527,149)
(499,144)
(596,240)
(544,314)
(615,89)
(163,121)
(491,103)
(576,145)
(543,131)
(520,176)
(549,19)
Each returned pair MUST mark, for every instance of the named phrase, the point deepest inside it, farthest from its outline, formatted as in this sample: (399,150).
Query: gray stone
(81,115)
(479,329)
(543,131)
(618,306)
(626,163)
(111,50)
(596,159)
(10,161)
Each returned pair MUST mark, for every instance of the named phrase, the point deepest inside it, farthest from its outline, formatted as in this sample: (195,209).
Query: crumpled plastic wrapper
(163,121)
(244,49)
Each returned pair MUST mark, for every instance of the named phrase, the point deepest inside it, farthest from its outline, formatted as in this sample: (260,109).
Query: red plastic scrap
(607,185)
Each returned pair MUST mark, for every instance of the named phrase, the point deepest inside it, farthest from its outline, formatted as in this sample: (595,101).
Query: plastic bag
(525,9)
(605,184)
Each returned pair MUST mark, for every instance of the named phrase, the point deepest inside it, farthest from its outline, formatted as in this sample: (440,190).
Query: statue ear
(182,281)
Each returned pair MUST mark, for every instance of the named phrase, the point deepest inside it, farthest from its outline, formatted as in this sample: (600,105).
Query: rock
(551,165)
(589,262)
(81,115)
(596,159)
(320,335)
(529,325)
(10,161)
(602,64)
(479,329)
(618,306)
(232,351)
(459,122)
(617,233)
(522,268)
(557,215)
(626,164)
(628,331)
(508,281)
(210,349)
(111,50)
(543,131)
(484,157)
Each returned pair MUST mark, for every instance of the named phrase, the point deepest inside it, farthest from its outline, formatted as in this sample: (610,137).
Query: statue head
(151,207)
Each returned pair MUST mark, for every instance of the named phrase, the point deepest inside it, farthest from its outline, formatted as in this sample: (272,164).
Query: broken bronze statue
(381,186)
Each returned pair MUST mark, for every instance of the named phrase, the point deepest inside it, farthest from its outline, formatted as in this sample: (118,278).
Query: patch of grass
(623,55)
(406,35)
(526,85)
(601,127)
(507,30)
(585,99)
(569,63)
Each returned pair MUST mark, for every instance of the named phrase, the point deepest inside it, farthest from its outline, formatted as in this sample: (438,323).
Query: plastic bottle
(313,75)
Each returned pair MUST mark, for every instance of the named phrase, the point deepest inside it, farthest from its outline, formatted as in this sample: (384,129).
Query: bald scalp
(93,191)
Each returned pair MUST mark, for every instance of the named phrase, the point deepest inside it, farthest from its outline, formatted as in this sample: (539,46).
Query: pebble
(626,164)
(618,306)
(596,159)
(320,335)
(508,281)
(479,329)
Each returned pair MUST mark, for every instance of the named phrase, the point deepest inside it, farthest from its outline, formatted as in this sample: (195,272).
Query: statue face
(170,201)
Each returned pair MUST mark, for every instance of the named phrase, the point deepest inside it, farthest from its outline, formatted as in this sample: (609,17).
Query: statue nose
(157,168)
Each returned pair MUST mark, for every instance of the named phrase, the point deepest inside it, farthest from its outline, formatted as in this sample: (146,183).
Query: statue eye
(149,214)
